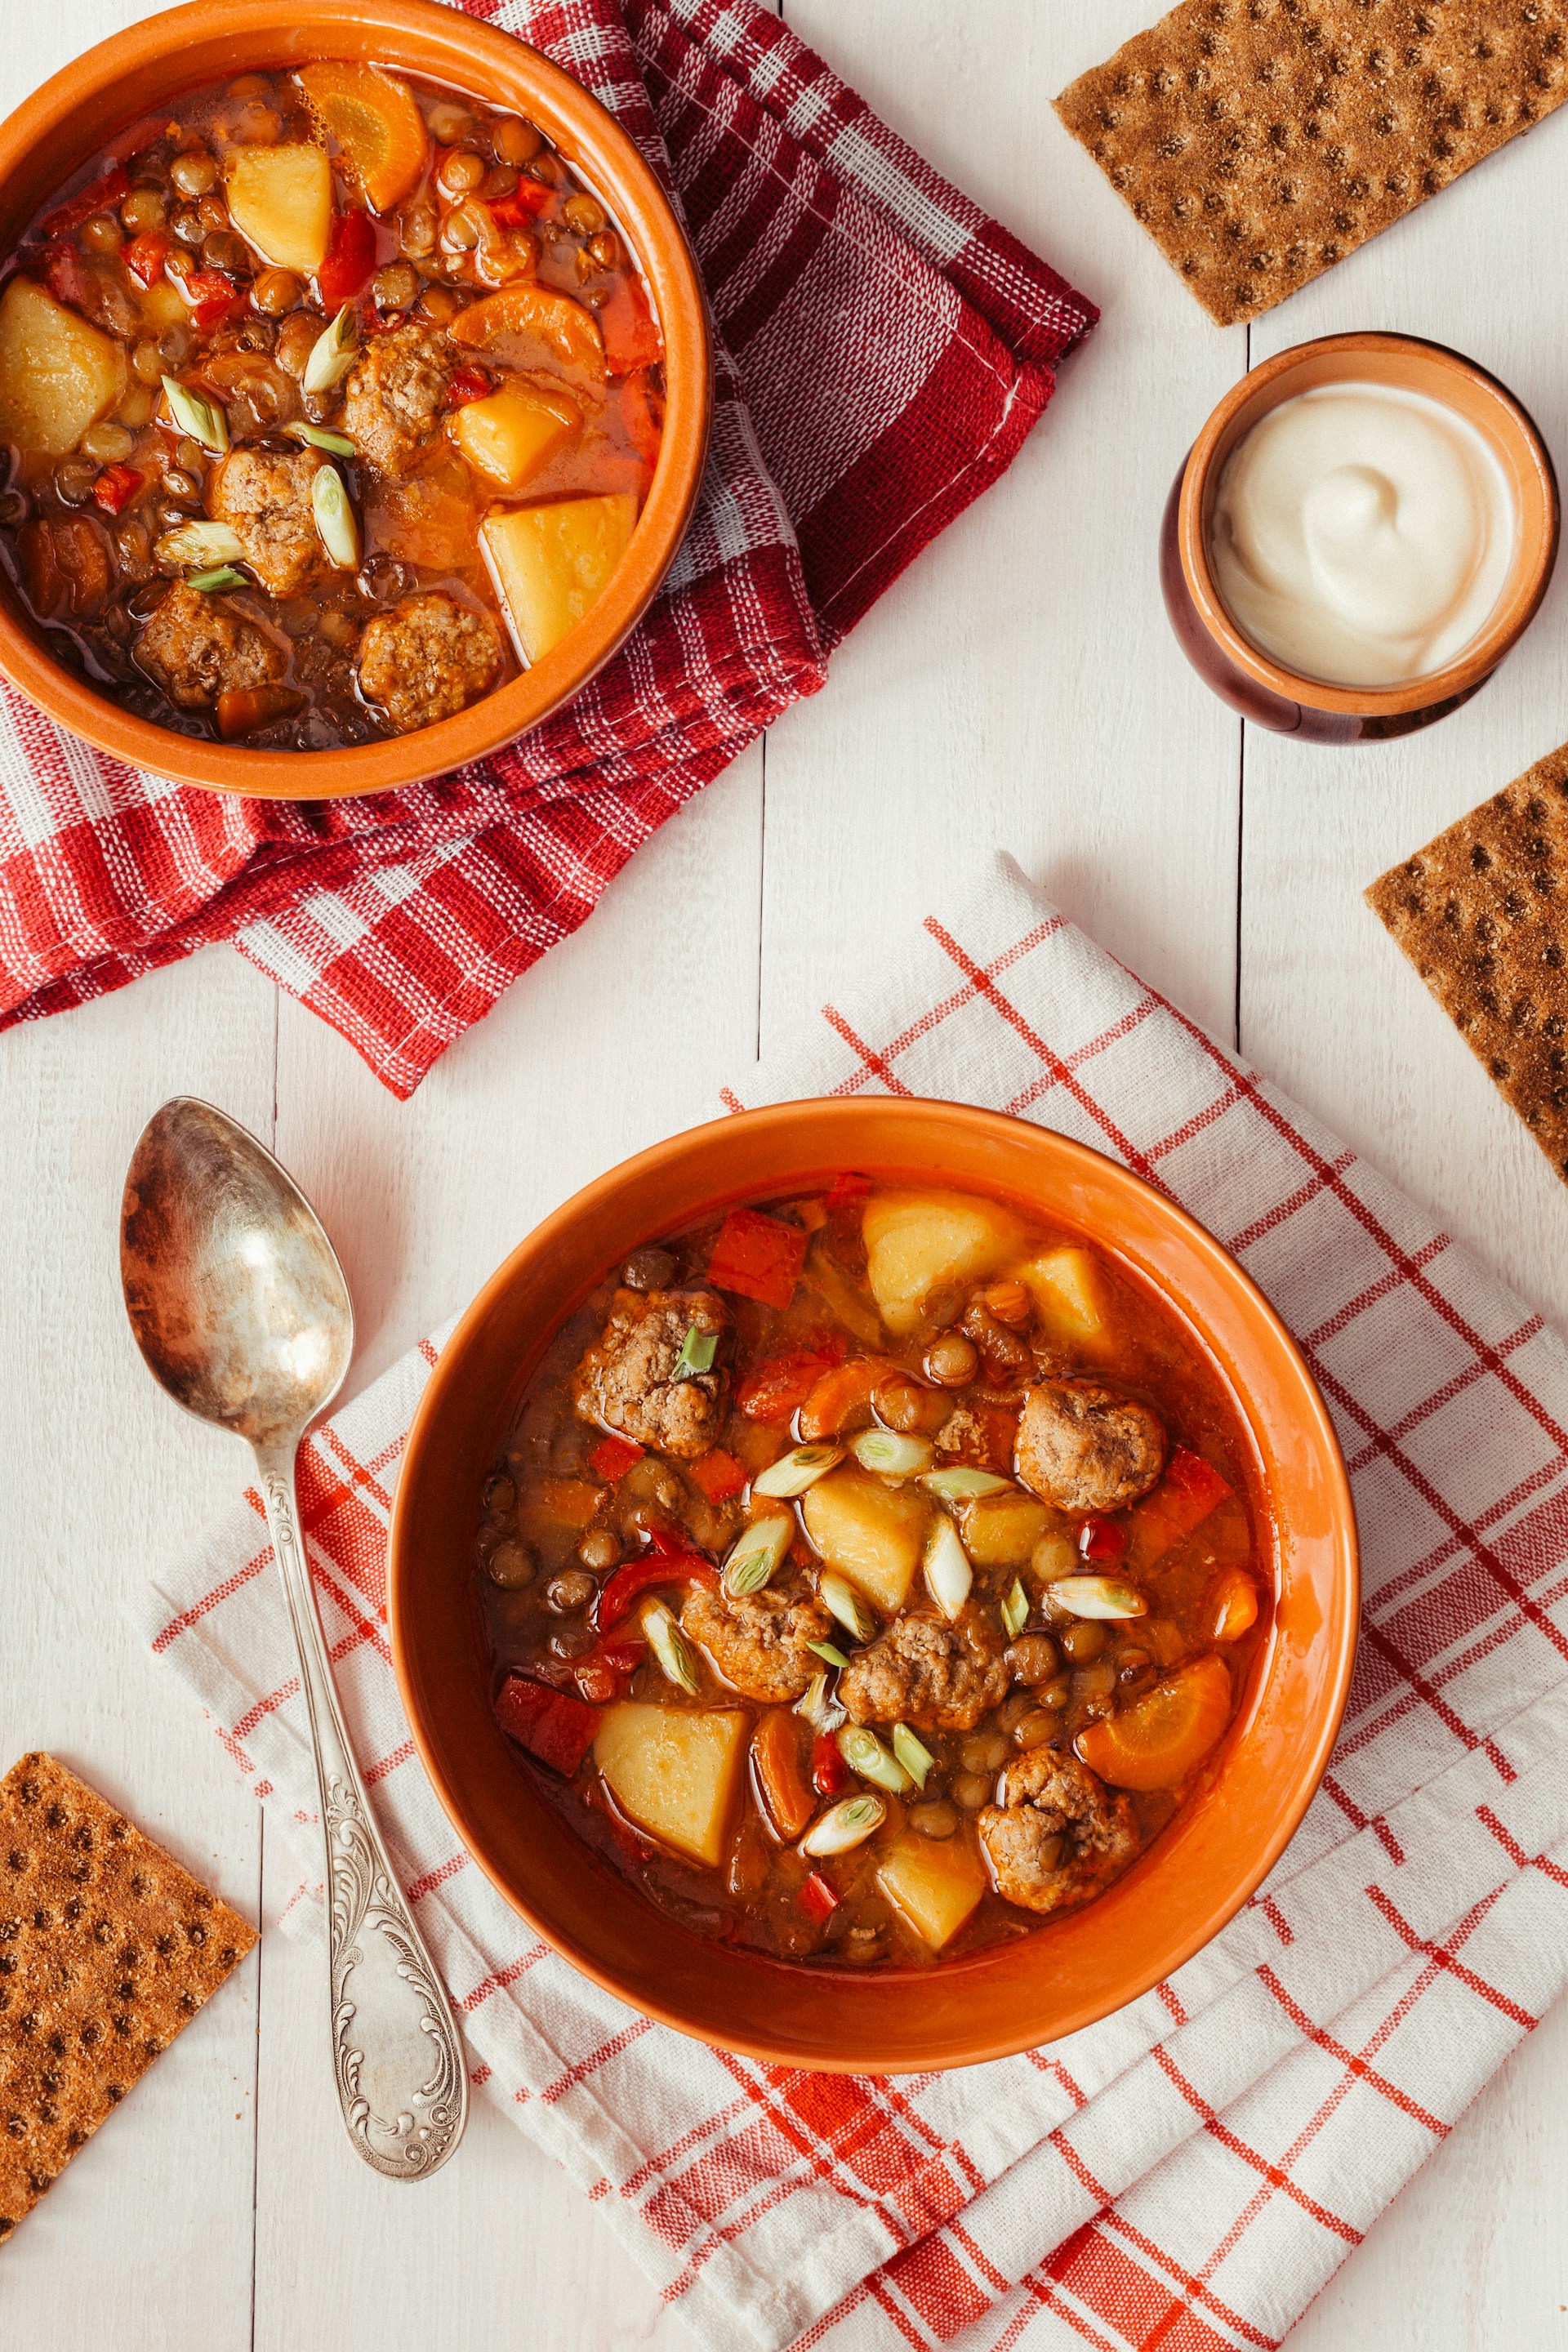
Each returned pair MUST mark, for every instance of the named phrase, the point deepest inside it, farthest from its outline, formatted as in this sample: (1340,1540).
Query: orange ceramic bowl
(1012,1996)
(149,64)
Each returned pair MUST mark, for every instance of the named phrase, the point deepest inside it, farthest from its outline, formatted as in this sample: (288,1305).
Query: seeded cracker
(1482,914)
(1260,141)
(106,1948)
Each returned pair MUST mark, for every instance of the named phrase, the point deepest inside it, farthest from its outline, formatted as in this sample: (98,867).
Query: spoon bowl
(235,1293)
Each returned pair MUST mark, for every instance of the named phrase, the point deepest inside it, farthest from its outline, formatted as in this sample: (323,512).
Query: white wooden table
(1019,687)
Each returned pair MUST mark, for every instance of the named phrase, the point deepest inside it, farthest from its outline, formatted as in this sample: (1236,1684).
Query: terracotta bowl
(1252,681)
(1011,1997)
(63,125)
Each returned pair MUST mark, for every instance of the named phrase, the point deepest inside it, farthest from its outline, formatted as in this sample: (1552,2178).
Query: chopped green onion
(195,414)
(668,1646)
(1016,1611)
(321,437)
(960,1484)
(757,1553)
(1098,1596)
(890,1456)
(912,1754)
(698,1350)
(839,1598)
(848,1823)
(864,1753)
(335,518)
(822,1713)
(826,1651)
(794,1472)
(202,543)
(224,576)
(947,1569)
(333,353)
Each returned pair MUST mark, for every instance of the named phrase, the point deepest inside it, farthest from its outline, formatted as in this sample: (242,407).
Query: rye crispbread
(106,1948)
(1482,914)
(1260,141)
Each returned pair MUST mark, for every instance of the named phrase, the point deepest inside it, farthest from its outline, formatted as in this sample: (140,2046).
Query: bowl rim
(425,1433)
(488,63)
(1264,388)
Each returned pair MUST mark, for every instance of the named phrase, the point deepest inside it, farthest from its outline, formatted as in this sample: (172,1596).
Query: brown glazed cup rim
(63,123)
(1443,375)
(1007,1997)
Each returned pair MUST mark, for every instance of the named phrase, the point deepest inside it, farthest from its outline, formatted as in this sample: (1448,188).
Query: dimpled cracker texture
(1260,141)
(1482,914)
(106,1948)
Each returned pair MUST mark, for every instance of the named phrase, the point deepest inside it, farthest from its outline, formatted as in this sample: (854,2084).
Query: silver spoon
(239,1307)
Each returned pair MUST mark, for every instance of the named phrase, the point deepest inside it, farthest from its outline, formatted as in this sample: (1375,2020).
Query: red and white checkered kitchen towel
(1189,2171)
(883,349)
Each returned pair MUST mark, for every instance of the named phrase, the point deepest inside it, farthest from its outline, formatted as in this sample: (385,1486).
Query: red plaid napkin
(1189,2172)
(896,347)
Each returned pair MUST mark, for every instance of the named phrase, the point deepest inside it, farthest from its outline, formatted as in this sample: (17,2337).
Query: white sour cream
(1361,534)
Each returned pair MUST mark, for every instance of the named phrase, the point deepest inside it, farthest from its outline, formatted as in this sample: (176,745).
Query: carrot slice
(775,1754)
(381,134)
(1190,1489)
(1157,1740)
(841,1396)
(1232,1605)
(563,326)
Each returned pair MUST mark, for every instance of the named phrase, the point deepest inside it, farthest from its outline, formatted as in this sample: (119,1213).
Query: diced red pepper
(1101,1539)
(551,1723)
(527,200)
(774,1389)
(760,1257)
(466,384)
(604,1674)
(102,196)
(719,1474)
(613,1457)
(847,1188)
(817,1898)
(349,261)
(626,322)
(829,1772)
(1190,1489)
(116,486)
(65,274)
(212,299)
(145,254)
(640,1576)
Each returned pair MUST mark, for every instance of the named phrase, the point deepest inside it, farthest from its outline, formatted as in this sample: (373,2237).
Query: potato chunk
(870,1533)
(915,1240)
(58,373)
(507,437)
(674,1772)
(1065,1287)
(933,1885)
(1002,1531)
(549,562)
(280,199)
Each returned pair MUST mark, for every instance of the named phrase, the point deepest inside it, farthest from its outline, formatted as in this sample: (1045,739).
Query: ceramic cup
(150,64)
(1011,1996)
(1253,681)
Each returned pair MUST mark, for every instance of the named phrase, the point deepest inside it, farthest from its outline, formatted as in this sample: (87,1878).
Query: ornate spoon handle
(396,2053)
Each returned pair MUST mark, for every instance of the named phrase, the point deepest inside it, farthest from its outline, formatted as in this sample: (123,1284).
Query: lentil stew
(330,398)
(871,1575)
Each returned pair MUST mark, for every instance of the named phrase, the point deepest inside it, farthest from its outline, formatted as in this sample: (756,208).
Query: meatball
(1088,1449)
(626,1379)
(265,498)
(197,651)
(929,1674)
(425,659)
(393,399)
(758,1643)
(1057,1836)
